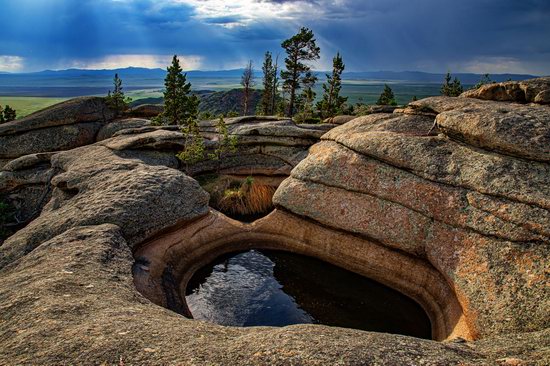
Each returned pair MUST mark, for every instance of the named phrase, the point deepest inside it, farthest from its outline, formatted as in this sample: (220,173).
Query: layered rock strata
(453,216)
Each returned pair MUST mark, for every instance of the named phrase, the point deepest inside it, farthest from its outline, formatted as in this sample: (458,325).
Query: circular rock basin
(273,288)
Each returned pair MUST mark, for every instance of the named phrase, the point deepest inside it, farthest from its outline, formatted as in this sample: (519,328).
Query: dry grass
(237,198)
(249,199)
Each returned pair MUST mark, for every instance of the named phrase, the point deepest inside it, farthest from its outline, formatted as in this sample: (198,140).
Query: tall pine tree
(266,103)
(299,48)
(332,103)
(179,106)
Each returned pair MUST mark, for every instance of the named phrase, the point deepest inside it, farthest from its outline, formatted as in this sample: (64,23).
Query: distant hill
(215,103)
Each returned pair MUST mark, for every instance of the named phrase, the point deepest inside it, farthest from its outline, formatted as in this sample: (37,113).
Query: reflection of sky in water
(242,291)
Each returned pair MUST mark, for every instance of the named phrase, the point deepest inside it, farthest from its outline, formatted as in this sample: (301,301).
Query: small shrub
(194,150)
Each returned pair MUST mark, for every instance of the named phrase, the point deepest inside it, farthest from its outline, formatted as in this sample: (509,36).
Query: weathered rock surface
(508,128)
(146,110)
(478,212)
(95,186)
(75,303)
(110,129)
(339,120)
(25,182)
(526,91)
(265,145)
(63,126)
(461,226)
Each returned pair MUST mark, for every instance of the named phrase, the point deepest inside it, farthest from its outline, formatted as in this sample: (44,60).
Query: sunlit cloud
(242,12)
(497,65)
(11,63)
(148,61)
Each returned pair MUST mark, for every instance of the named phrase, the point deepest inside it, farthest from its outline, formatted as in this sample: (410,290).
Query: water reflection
(277,288)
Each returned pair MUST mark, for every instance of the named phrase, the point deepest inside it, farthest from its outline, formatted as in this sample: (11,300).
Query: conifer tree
(485,79)
(306,98)
(275,94)
(299,48)
(451,89)
(194,149)
(226,143)
(247,81)
(116,100)
(387,97)
(332,103)
(9,114)
(179,106)
(266,106)
(2,120)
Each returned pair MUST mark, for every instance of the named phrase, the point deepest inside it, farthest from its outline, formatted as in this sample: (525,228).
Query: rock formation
(456,217)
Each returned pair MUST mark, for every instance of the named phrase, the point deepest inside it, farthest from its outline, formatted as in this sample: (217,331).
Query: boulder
(146,110)
(339,120)
(60,127)
(526,91)
(508,128)
(513,129)
(95,186)
(113,127)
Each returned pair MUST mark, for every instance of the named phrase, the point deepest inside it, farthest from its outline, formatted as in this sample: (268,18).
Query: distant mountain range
(158,74)
(77,82)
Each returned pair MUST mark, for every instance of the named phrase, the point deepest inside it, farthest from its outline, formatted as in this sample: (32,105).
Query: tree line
(297,81)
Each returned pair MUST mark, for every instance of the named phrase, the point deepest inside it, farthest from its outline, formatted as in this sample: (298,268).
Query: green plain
(27,105)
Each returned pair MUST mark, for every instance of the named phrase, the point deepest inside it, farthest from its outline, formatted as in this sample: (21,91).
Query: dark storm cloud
(430,35)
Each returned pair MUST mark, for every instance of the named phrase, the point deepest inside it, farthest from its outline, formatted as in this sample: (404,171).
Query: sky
(481,36)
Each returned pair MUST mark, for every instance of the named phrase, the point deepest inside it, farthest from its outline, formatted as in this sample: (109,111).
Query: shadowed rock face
(457,219)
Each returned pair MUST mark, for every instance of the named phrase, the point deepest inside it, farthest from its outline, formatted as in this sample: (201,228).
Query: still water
(277,288)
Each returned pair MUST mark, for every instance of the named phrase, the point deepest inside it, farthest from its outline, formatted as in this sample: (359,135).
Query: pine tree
(485,79)
(116,100)
(266,103)
(2,120)
(451,89)
(275,98)
(179,107)
(387,97)
(306,99)
(226,143)
(247,81)
(194,144)
(9,114)
(332,103)
(300,47)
